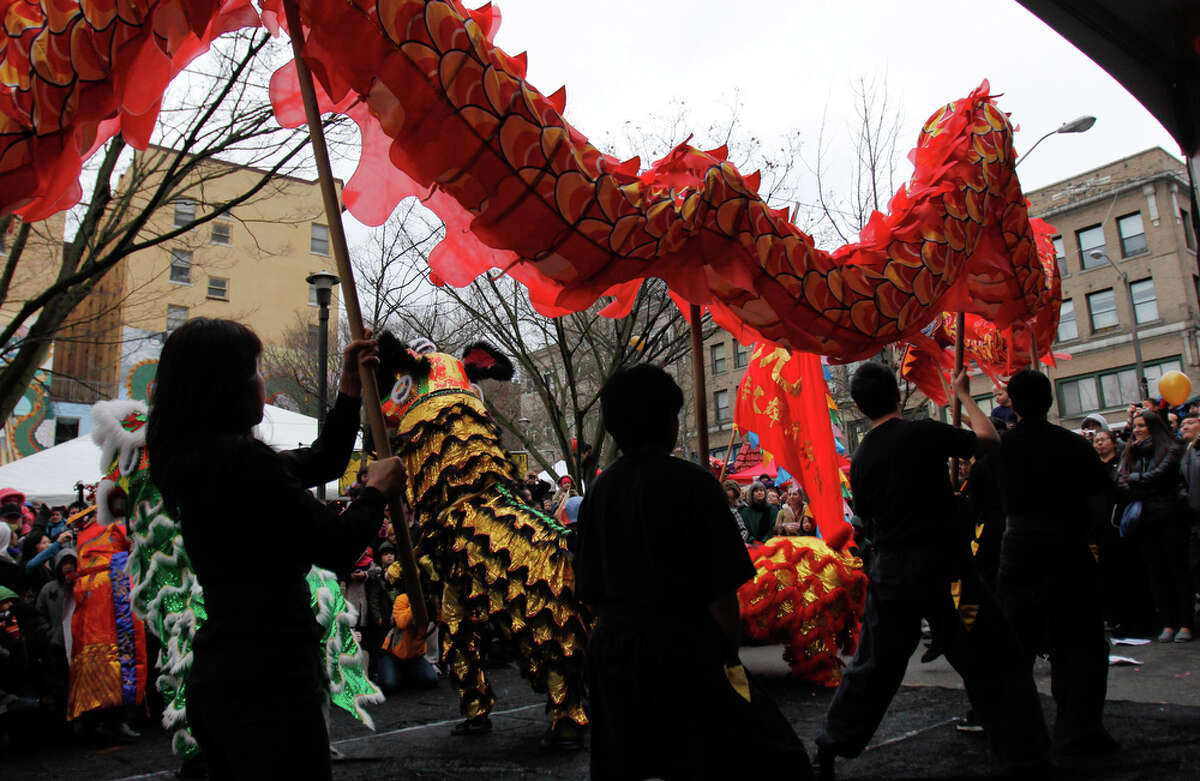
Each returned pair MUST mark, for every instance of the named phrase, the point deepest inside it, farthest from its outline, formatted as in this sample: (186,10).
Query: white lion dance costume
(166,594)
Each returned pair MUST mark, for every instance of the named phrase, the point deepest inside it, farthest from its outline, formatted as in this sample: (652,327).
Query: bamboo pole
(728,450)
(960,323)
(337,238)
(698,381)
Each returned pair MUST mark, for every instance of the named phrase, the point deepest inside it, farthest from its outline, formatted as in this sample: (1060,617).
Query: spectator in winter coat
(759,516)
(52,603)
(403,662)
(378,598)
(1190,468)
(733,493)
(38,554)
(1149,473)
(12,575)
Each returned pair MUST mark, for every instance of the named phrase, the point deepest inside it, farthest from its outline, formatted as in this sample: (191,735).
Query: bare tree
(217,111)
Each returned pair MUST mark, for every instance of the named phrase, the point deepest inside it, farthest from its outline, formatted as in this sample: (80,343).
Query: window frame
(1060,255)
(1125,252)
(1092,312)
(211,295)
(741,355)
(183,206)
(723,358)
(1074,320)
(177,307)
(228,226)
(717,396)
(1097,378)
(1084,260)
(312,239)
(1189,236)
(59,423)
(178,261)
(1154,300)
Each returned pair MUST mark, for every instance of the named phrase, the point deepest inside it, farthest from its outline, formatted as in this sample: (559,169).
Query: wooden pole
(337,236)
(698,380)
(960,323)
(728,449)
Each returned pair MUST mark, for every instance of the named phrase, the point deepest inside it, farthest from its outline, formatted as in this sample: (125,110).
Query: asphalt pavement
(1153,711)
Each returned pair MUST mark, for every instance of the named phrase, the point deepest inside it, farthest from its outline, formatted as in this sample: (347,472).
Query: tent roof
(1151,48)
(51,474)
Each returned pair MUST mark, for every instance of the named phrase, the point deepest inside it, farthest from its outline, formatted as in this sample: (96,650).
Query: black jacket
(1157,483)
(240,485)
(1189,468)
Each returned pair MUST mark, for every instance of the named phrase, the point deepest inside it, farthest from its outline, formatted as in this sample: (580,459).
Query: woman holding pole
(257,685)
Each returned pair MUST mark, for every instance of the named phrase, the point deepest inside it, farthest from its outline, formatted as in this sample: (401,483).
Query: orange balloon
(1175,388)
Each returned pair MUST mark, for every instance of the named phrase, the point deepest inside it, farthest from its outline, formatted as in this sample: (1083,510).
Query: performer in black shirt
(660,560)
(1057,496)
(257,685)
(900,480)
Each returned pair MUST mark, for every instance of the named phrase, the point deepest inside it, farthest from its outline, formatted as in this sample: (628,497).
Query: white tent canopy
(50,475)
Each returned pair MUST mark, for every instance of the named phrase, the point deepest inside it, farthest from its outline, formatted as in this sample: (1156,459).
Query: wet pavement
(1153,711)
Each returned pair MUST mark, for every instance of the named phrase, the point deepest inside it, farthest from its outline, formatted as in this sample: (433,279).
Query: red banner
(784,401)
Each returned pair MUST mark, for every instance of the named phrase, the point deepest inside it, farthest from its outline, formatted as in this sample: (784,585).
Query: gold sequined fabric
(504,568)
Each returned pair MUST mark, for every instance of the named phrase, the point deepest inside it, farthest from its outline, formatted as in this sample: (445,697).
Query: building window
(721,402)
(319,243)
(1060,255)
(181,266)
(176,316)
(222,232)
(1090,239)
(1108,390)
(218,288)
(1133,235)
(1189,233)
(1145,302)
(65,429)
(1102,308)
(717,354)
(185,212)
(1068,329)
(741,355)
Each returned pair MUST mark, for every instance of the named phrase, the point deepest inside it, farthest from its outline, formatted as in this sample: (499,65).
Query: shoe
(567,737)
(127,732)
(1167,636)
(193,767)
(824,764)
(1183,635)
(969,724)
(478,726)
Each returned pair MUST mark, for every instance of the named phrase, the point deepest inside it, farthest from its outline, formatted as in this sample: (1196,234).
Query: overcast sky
(791,60)
(794,61)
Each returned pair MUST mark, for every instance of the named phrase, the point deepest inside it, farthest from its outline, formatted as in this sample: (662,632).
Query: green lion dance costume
(166,594)
(500,567)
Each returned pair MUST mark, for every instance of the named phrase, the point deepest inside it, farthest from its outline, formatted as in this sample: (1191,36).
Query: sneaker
(969,724)
(568,737)
(127,732)
(1183,635)
(1167,636)
(478,726)
(824,764)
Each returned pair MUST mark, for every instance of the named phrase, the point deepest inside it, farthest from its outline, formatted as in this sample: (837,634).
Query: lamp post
(323,281)
(1099,254)
(1078,125)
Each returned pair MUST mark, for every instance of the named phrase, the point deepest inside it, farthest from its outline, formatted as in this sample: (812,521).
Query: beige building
(1134,213)
(247,265)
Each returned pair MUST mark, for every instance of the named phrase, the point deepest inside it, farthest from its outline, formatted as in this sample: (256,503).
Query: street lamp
(1099,254)
(1078,125)
(323,281)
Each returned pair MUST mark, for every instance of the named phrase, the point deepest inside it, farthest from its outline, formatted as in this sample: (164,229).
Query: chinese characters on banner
(783,399)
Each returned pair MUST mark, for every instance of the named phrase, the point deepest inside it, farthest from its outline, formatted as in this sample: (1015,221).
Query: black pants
(271,728)
(1051,597)
(662,707)
(999,686)
(1164,549)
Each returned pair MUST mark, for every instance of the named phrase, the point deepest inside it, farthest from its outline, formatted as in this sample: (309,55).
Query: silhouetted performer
(1056,496)
(900,479)
(257,683)
(660,559)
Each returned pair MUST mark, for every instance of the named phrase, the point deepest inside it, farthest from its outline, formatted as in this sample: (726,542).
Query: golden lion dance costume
(810,597)
(108,642)
(502,567)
